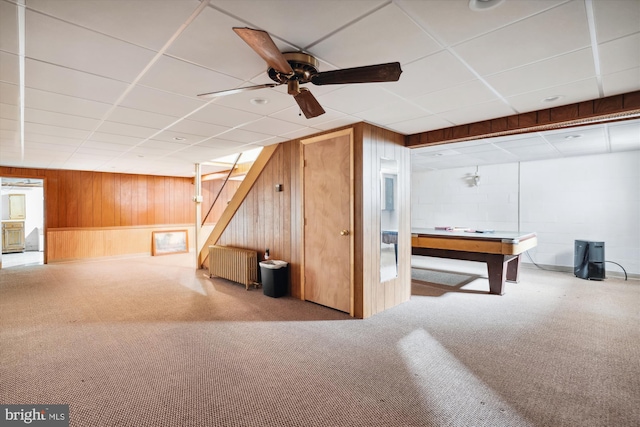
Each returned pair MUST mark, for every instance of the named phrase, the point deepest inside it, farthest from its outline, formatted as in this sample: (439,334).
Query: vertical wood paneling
(85,205)
(117,213)
(126,208)
(108,201)
(376,296)
(96,199)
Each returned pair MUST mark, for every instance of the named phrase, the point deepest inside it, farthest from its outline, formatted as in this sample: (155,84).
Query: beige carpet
(150,341)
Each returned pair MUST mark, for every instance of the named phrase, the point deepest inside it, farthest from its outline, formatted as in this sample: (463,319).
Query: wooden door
(328,221)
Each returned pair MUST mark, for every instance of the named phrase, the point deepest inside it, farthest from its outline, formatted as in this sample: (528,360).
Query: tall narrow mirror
(389,219)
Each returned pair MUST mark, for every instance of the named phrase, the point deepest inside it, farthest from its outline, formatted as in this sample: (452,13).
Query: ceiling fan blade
(262,43)
(237,90)
(368,74)
(308,104)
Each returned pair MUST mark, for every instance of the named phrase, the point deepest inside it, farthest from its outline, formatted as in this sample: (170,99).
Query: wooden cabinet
(17,207)
(12,236)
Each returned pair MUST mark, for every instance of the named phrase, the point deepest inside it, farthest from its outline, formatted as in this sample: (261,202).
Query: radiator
(235,264)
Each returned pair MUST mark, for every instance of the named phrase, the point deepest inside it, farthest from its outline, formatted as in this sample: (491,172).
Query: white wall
(588,198)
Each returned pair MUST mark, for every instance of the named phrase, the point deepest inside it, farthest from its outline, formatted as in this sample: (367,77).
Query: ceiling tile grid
(113,85)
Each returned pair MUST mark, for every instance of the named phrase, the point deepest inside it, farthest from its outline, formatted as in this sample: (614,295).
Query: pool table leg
(501,268)
(513,269)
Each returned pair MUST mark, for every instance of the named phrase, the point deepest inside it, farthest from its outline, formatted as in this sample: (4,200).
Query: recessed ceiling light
(259,101)
(552,98)
(482,5)
(179,138)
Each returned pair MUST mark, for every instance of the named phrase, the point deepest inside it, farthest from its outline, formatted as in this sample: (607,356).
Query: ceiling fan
(296,68)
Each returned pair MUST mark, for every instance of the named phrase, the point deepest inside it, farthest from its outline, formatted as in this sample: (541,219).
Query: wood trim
(613,108)
(237,200)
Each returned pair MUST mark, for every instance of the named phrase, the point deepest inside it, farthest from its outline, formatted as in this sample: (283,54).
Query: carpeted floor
(151,341)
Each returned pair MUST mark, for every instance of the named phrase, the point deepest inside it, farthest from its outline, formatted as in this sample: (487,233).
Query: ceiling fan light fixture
(484,5)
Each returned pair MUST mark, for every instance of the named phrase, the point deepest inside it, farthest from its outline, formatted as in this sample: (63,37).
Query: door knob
(344,233)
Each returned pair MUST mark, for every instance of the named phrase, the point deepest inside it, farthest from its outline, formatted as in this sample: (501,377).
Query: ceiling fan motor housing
(304,68)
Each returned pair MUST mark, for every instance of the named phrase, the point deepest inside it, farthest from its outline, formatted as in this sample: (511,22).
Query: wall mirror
(389,219)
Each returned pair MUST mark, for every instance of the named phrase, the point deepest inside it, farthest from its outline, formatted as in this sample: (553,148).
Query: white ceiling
(109,86)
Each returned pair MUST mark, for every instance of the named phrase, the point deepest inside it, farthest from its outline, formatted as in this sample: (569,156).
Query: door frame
(44,210)
(345,132)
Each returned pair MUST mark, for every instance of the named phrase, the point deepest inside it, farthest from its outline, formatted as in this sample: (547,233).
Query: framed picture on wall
(169,242)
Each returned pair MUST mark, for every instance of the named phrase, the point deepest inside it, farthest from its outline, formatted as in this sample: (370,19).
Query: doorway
(22,215)
(328,220)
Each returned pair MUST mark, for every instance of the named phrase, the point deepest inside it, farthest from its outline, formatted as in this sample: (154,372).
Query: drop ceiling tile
(477,112)
(115,139)
(45,138)
(527,140)
(9,27)
(84,50)
(393,112)
(50,130)
(430,74)
(224,116)
(453,21)
(10,112)
(194,79)
(56,79)
(624,136)
(314,20)
(570,93)
(332,123)
(101,152)
(124,21)
(463,95)
(419,124)
(621,54)
(9,124)
(9,93)
(552,72)
(223,146)
(495,156)
(530,152)
(375,39)
(243,136)
(272,126)
(554,32)
(9,68)
(210,42)
(107,146)
(126,130)
(32,115)
(355,98)
(621,82)
(616,18)
(49,101)
(180,137)
(193,127)
(161,145)
(580,148)
(194,154)
(160,102)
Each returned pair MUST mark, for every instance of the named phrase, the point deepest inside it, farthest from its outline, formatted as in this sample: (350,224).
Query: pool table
(500,250)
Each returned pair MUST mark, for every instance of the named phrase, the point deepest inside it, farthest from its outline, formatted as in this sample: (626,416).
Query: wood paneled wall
(270,219)
(210,190)
(95,200)
(372,144)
